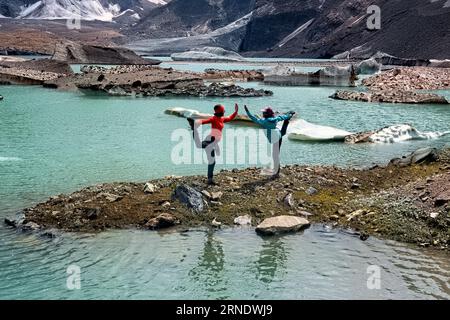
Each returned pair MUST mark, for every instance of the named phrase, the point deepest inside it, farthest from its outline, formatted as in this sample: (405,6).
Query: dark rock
(30,226)
(363,236)
(442,198)
(16,221)
(187,195)
(164,220)
(90,213)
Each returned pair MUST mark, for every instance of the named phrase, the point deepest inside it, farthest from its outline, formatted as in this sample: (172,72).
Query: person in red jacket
(210,144)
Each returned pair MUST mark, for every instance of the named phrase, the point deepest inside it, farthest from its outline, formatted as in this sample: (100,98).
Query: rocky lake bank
(406,200)
(402,85)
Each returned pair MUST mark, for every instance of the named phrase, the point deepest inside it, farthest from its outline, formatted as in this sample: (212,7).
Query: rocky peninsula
(142,80)
(402,85)
(406,200)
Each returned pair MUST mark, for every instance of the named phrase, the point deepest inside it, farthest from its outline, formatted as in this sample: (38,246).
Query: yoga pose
(210,144)
(274,135)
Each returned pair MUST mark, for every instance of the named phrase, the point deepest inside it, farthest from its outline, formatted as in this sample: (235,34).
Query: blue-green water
(53,142)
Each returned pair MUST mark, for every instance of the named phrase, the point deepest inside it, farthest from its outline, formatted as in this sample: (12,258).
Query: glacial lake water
(55,142)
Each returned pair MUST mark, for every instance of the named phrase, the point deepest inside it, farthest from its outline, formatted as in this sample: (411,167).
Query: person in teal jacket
(274,135)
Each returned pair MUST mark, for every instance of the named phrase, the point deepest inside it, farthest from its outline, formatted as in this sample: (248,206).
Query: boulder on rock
(187,195)
(282,224)
(164,220)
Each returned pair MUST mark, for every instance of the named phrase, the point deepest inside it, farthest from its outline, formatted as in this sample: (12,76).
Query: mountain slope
(104,10)
(414,28)
(193,17)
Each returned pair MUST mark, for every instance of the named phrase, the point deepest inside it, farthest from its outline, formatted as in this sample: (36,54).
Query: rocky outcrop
(399,86)
(406,79)
(390,96)
(74,52)
(329,76)
(207,54)
(282,224)
(14,75)
(39,65)
(190,197)
(139,80)
(233,75)
(424,155)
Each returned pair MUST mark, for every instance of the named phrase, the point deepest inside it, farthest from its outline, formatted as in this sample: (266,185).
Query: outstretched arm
(283,117)
(251,116)
(235,113)
(204,121)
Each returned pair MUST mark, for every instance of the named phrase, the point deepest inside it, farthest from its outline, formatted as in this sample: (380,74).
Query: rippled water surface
(53,142)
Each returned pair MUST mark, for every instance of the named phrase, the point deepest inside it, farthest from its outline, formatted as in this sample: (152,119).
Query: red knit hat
(268,112)
(219,108)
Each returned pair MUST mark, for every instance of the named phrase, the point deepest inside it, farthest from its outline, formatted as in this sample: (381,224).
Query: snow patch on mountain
(160,2)
(70,9)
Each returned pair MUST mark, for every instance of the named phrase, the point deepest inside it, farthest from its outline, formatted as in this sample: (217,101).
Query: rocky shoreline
(128,80)
(402,85)
(406,200)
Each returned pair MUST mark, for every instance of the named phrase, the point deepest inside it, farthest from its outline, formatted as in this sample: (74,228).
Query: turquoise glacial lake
(54,142)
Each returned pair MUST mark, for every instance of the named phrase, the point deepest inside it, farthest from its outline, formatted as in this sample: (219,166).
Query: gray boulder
(187,195)
(369,66)
(282,224)
(424,155)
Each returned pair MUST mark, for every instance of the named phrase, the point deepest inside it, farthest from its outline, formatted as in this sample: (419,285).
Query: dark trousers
(210,145)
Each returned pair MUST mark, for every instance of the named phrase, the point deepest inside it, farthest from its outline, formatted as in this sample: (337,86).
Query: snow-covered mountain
(104,10)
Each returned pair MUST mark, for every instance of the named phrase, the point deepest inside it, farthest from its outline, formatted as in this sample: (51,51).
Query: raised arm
(251,116)
(232,116)
(283,117)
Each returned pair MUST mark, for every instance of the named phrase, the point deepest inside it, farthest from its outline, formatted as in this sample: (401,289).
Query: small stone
(110,197)
(355,214)
(30,226)
(216,224)
(149,188)
(305,213)
(289,200)
(216,195)
(166,204)
(311,191)
(243,220)
(363,236)
(206,194)
(434,215)
(164,220)
(355,186)
(55,213)
(334,217)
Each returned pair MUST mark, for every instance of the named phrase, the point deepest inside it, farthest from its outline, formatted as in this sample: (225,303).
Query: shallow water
(235,263)
(53,142)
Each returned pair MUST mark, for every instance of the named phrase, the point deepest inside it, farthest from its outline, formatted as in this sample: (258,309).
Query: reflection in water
(272,258)
(208,273)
